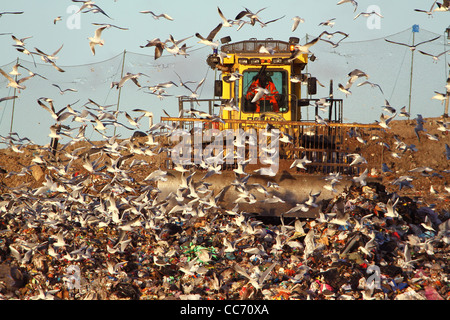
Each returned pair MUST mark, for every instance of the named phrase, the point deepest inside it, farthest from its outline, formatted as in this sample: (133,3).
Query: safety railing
(327,147)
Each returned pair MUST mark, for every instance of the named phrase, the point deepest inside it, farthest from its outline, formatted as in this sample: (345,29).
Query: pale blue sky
(195,16)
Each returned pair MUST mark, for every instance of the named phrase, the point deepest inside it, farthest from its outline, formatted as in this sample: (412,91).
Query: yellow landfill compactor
(261,143)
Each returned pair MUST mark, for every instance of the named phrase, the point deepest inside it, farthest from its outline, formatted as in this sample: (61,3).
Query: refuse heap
(70,241)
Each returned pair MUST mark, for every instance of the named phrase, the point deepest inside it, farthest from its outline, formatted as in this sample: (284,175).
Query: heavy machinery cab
(241,63)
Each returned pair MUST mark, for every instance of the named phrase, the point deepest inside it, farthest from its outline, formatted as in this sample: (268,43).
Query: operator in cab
(263,80)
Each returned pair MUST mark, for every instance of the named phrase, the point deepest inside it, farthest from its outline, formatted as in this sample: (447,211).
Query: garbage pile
(72,242)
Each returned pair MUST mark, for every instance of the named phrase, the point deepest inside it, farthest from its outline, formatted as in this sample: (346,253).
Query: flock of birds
(109,222)
(178,47)
(141,237)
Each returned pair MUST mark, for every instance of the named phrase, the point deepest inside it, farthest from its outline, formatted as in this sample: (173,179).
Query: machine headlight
(277,60)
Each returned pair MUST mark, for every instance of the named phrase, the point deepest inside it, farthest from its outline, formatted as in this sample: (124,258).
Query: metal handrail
(274,122)
(325,145)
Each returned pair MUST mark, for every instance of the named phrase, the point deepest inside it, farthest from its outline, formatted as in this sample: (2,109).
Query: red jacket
(270,97)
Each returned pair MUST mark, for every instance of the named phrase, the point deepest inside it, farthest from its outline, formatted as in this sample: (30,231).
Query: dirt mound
(419,155)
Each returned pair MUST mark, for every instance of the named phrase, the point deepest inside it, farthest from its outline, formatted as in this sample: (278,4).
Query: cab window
(280,82)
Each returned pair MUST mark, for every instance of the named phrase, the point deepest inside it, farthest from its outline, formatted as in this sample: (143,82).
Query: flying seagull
(157,16)
(303,49)
(319,120)
(403,112)
(46,57)
(51,108)
(331,34)
(297,21)
(387,106)
(384,121)
(108,25)
(147,114)
(96,40)
(50,58)
(300,163)
(58,18)
(97,9)
(7,98)
(367,14)
(353,2)
(412,47)
(158,44)
(345,89)
(15,69)
(127,77)
(13,83)
(355,74)
(440,96)
(88,4)
(209,39)
(175,49)
(194,94)
(260,92)
(63,91)
(373,85)
(24,50)
(435,57)
(264,24)
(268,50)
(329,23)
(225,22)
(247,13)
(445,6)
(10,12)
(21,41)
(428,12)
(357,159)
